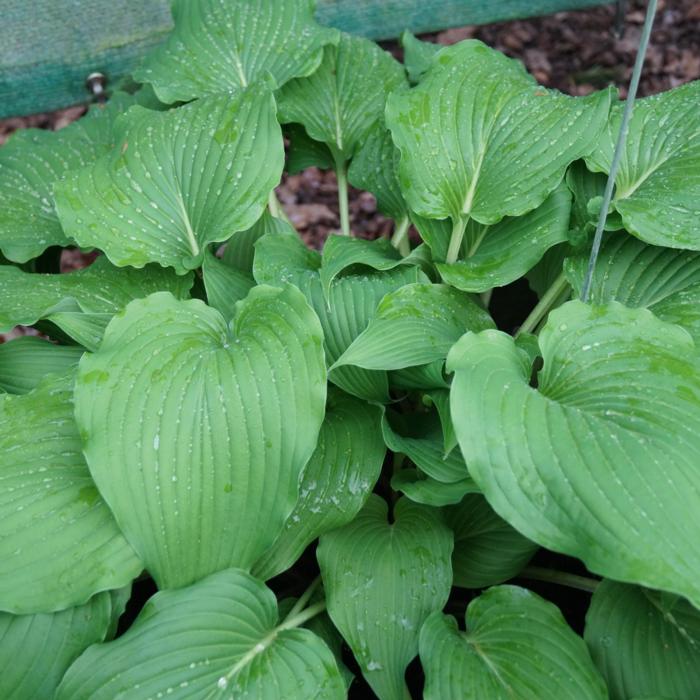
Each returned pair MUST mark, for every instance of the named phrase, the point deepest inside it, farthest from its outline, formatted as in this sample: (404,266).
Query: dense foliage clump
(329,464)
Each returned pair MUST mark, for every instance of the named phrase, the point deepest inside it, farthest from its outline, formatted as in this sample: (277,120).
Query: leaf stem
(539,573)
(619,147)
(276,209)
(341,174)
(304,616)
(544,305)
(458,228)
(400,237)
(303,599)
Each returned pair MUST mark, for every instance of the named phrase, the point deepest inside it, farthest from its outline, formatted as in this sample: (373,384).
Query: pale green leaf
(179,411)
(85,329)
(382,581)
(36,650)
(340,475)
(58,540)
(664,280)
(225,285)
(505,251)
(645,643)
(441,399)
(431,492)
(24,362)
(480,139)
(347,311)
(487,550)
(342,252)
(216,639)
(222,46)
(177,181)
(340,102)
(658,184)
(516,645)
(415,325)
(591,462)
(32,161)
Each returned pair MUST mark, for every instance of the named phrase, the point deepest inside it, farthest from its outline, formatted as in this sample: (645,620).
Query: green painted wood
(49,47)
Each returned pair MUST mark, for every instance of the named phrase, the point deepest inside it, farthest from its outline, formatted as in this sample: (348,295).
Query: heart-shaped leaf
(36,650)
(415,325)
(337,480)
(32,161)
(224,46)
(517,645)
(645,643)
(197,434)
(503,252)
(24,362)
(351,303)
(664,280)
(592,462)
(658,184)
(25,297)
(340,102)
(58,539)
(177,181)
(216,639)
(487,549)
(382,581)
(479,139)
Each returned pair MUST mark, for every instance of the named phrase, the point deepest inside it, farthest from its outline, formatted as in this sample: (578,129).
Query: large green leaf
(340,102)
(222,46)
(196,432)
(504,251)
(58,540)
(480,139)
(217,639)
(487,549)
(645,643)
(517,645)
(658,184)
(304,152)
(24,362)
(417,55)
(337,480)
(36,650)
(26,297)
(32,161)
(664,280)
(382,581)
(593,461)
(177,181)
(344,313)
(415,325)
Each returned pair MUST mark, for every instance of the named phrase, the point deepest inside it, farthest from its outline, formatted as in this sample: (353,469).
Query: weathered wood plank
(49,47)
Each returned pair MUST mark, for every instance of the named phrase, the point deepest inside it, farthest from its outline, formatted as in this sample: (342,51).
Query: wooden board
(49,47)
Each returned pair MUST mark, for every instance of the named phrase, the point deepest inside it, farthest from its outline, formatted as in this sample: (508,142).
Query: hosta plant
(234,466)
